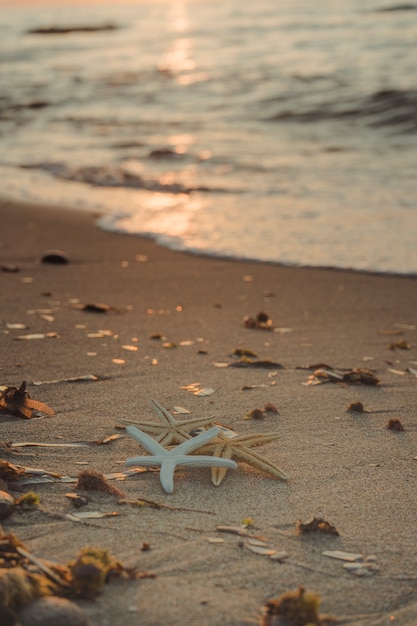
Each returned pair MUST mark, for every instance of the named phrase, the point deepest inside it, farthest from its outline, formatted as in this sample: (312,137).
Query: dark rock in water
(57,257)
(52,611)
(64,30)
(398,7)
(7,504)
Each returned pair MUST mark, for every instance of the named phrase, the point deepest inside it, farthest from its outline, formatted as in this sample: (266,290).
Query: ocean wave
(387,107)
(112,176)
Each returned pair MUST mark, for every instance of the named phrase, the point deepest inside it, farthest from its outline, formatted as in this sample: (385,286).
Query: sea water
(276,131)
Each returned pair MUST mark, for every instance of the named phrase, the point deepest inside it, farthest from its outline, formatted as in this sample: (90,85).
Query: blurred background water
(278,131)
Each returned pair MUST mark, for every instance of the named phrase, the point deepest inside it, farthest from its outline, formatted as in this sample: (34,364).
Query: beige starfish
(168,431)
(239,447)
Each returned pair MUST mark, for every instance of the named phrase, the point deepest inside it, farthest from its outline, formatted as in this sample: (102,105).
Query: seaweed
(18,402)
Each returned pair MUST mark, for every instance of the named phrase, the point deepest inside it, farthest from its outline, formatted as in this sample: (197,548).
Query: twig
(159,505)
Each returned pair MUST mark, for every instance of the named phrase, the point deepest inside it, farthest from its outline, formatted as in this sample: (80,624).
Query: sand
(345,467)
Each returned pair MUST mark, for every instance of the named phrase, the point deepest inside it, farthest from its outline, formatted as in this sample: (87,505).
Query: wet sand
(345,467)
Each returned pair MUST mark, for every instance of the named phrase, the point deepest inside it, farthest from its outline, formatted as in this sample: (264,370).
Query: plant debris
(316,524)
(262,321)
(90,480)
(240,352)
(197,390)
(254,414)
(74,444)
(395,425)
(357,376)
(77,500)
(10,473)
(267,364)
(86,378)
(96,307)
(31,336)
(25,578)
(142,502)
(7,505)
(18,402)
(293,608)
(399,345)
(356,407)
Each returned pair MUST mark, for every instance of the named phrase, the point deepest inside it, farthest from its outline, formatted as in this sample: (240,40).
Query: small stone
(52,611)
(57,257)
(7,504)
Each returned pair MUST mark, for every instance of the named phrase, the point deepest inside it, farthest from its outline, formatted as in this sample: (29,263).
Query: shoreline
(97,215)
(347,468)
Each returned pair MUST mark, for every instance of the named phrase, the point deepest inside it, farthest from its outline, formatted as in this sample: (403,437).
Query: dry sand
(348,468)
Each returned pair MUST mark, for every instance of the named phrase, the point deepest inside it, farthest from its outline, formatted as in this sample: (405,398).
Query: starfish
(179,455)
(168,430)
(238,447)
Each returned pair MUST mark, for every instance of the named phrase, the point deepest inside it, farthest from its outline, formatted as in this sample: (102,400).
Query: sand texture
(184,314)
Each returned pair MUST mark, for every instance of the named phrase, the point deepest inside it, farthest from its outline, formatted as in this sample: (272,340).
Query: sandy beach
(174,320)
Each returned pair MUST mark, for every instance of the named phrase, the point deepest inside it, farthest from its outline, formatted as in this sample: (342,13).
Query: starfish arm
(195,442)
(166,474)
(206,461)
(164,415)
(254,440)
(145,461)
(260,462)
(218,473)
(147,442)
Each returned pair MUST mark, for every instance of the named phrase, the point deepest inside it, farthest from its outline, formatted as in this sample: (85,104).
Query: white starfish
(169,459)
(168,430)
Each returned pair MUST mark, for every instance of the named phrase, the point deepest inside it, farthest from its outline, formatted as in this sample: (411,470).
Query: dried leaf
(130,348)
(18,402)
(87,378)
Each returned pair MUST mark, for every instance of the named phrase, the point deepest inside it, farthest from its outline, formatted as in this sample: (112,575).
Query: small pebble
(52,611)
(57,257)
